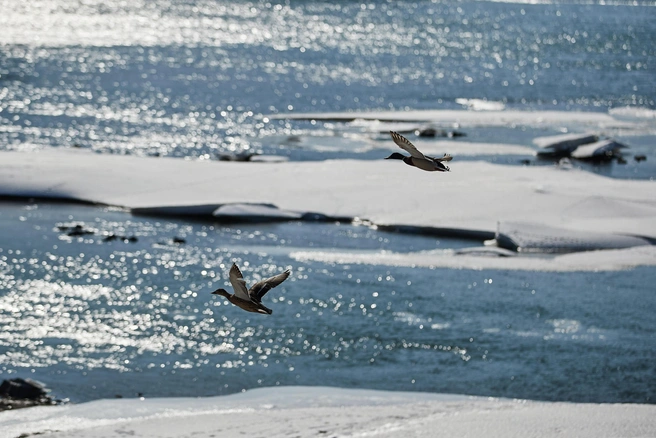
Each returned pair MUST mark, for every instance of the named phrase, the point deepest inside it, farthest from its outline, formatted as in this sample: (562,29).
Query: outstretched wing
(238,283)
(405,144)
(260,288)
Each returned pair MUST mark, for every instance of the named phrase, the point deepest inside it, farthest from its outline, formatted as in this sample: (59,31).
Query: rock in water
(22,393)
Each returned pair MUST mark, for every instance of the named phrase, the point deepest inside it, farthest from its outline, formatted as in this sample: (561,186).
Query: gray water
(94,318)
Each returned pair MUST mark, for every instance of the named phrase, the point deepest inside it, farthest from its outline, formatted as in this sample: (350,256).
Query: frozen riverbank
(331,412)
(540,207)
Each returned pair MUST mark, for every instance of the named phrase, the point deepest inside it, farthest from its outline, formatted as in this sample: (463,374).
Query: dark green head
(395,156)
(221,292)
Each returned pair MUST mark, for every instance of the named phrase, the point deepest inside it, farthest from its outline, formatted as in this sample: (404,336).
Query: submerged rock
(76,230)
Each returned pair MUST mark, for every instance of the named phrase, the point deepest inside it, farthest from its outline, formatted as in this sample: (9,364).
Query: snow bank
(473,198)
(492,117)
(531,237)
(490,258)
(633,112)
(331,412)
(480,104)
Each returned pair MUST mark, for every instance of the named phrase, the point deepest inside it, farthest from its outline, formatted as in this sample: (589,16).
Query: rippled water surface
(97,318)
(193,78)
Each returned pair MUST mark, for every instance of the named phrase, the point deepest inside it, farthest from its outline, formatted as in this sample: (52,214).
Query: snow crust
(491,117)
(486,258)
(553,205)
(331,412)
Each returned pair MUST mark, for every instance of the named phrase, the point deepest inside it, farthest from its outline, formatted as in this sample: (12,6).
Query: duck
(250,299)
(416,158)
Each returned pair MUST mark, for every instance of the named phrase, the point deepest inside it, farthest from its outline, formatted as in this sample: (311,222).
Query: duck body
(247,305)
(430,164)
(250,300)
(416,158)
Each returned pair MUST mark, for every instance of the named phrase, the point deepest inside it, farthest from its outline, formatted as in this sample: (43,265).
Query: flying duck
(250,299)
(416,158)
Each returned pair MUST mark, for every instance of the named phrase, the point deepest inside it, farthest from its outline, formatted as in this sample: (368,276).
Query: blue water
(96,319)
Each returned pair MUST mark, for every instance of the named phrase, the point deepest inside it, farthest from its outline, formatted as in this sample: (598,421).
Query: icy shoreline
(631,120)
(324,411)
(534,209)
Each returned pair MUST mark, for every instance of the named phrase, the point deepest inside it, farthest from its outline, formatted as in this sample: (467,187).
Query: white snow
(556,205)
(532,237)
(507,117)
(330,412)
(602,148)
(630,112)
(485,258)
(481,105)
(246,211)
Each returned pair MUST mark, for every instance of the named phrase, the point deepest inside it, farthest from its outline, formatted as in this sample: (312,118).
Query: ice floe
(479,258)
(492,117)
(559,210)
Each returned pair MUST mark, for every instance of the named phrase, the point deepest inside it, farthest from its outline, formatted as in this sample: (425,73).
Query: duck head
(395,156)
(221,292)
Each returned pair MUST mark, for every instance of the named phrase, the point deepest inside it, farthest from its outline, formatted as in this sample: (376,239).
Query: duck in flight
(416,158)
(250,299)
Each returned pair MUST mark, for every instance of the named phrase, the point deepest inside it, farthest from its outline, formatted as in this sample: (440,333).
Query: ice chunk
(532,237)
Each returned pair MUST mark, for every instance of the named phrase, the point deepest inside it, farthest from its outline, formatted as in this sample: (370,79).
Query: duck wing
(406,145)
(238,283)
(259,289)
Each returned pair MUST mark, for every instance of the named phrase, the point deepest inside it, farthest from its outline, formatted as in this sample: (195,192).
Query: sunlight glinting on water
(193,79)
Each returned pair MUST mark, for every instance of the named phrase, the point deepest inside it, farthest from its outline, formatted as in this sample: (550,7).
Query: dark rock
(22,389)
(429,132)
(243,156)
(22,393)
(74,230)
(433,132)
(640,158)
(110,237)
